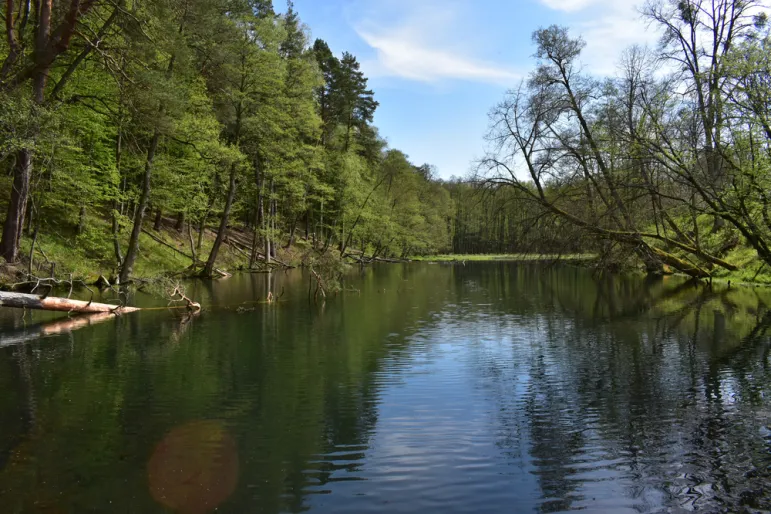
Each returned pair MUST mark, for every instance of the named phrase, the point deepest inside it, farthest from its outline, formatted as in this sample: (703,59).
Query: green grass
(90,254)
(514,257)
(751,269)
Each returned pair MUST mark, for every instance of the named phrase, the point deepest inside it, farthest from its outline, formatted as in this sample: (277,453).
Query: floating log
(52,303)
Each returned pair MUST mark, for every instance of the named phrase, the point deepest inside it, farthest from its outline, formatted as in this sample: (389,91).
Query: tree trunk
(51,303)
(17,207)
(82,219)
(46,49)
(266,228)
(116,235)
(209,268)
(180,224)
(22,170)
(115,205)
(292,232)
(133,248)
(273,220)
(158,219)
(202,224)
(192,244)
(321,226)
(30,217)
(341,246)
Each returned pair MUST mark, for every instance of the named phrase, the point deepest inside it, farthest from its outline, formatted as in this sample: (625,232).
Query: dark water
(489,387)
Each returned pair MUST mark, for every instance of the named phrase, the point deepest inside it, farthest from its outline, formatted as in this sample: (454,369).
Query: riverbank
(515,257)
(88,254)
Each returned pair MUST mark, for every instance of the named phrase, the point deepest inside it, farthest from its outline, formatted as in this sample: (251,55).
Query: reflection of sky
(538,413)
(434,445)
(453,425)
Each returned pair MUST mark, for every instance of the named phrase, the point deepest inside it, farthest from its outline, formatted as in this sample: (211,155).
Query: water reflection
(477,388)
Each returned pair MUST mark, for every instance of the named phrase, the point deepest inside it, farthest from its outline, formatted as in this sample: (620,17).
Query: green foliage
(670,171)
(178,99)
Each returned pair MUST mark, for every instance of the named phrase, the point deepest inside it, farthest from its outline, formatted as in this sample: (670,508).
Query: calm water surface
(490,387)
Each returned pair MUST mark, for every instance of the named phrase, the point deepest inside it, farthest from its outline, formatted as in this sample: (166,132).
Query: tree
(695,137)
(564,126)
(49,37)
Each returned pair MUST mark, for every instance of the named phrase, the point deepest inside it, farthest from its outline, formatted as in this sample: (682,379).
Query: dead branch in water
(319,285)
(178,295)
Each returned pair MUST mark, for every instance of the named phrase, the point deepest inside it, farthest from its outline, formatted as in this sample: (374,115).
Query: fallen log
(52,303)
(164,243)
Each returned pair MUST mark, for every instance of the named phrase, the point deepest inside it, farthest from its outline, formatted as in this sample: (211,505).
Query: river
(489,387)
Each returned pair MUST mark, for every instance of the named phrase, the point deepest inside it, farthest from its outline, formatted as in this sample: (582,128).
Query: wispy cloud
(608,27)
(420,44)
(570,5)
(411,60)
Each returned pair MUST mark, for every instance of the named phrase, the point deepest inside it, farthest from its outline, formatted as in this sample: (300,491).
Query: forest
(139,137)
(188,125)
(666,164)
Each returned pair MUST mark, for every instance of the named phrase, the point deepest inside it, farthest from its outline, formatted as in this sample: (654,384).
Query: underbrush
(86,254)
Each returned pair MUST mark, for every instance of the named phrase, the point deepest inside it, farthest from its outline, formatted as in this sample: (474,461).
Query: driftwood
(319,285)
(52,303)
(191,305)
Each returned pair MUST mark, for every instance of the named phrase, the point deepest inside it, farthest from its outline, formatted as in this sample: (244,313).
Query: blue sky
(438,66)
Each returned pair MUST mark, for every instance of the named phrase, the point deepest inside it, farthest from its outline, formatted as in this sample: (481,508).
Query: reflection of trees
(556,438)
(296,384)
(659,386)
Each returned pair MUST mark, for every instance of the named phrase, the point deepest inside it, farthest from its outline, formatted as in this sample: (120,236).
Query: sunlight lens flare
(194,468)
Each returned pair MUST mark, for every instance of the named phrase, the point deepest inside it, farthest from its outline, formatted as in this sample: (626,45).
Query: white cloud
(569,5)
(608,36)
(409,59)
(416,44)
(608,27)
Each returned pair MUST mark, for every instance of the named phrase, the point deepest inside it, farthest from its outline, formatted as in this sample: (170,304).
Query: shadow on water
(477,388)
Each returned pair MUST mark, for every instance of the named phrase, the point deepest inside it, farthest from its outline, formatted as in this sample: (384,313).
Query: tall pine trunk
(22,170)
(115,205)
(44,52)
(209,267)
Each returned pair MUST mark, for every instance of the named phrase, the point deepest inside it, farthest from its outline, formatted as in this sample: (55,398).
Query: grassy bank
(514,257)
(89,254)
(751,270)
